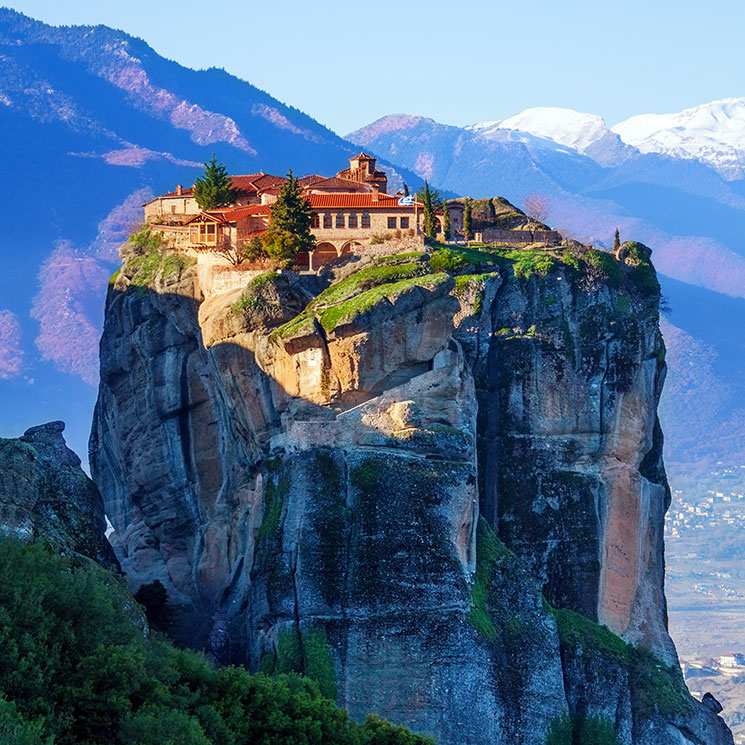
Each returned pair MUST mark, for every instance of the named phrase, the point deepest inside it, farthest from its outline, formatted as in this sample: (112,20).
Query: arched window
(340,220)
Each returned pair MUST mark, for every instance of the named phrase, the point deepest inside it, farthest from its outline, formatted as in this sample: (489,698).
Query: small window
(353,220)
(327,221)
(391,223)
(173,209)
(194,233)
(404,223)
(366,220)
(340,220)
(315,221)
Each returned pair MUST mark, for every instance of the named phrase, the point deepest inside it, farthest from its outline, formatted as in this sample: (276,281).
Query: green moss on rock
(490,551)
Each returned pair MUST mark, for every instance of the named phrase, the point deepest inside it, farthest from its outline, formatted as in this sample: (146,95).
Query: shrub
(75,667)
(281,246)
(253,250)
(446,260)
(146,240)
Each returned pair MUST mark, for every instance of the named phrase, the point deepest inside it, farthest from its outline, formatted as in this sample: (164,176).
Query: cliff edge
(432,481)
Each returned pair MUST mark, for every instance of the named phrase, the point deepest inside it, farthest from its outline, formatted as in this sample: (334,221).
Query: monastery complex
(349,211)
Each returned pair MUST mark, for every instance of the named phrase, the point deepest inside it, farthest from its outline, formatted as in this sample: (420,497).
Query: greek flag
(406,201)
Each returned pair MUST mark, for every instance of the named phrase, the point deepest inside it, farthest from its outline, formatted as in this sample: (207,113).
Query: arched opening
(324,253)
(350,247)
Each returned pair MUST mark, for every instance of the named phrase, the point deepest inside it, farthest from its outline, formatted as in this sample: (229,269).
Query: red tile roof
(335,183)
(233,214)
(339,201)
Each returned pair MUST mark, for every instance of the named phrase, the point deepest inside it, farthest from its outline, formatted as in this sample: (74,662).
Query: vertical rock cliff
(436,486)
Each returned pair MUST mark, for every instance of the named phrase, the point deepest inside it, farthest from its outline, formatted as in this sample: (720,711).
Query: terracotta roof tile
(333,200)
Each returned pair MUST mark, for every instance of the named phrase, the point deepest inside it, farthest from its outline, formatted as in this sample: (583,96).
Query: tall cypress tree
(292,214)
(214,189)
(428,209)
(467,221)
(445,219)
(617,241)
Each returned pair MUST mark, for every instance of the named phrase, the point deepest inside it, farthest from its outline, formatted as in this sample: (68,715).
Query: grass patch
(274,497)
(252,298)
(346,311)
(398,258)
(642,273)
(605,263)
(489,552)
(366,279)
(577,631)
(113,278)
(560,731)
(318,662)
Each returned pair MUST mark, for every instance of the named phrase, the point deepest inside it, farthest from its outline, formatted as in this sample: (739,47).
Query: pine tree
(214,189)
(467,221)
(406,190)
(617,241)
(292,214)
(445,220)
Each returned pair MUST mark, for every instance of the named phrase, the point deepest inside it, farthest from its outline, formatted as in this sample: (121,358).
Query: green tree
(292,214)
(617,241)
(467,221)
(153,596)
(75,667)
(445,219)
(428,199)
(406,190)
(281,246)
(214,189)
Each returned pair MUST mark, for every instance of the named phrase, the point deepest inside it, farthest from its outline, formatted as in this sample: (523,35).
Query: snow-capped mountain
(713,133)
(586,134)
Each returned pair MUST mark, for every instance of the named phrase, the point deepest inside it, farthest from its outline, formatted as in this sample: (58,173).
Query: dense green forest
(79,666)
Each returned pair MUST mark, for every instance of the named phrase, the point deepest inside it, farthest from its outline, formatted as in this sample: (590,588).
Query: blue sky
(349,63)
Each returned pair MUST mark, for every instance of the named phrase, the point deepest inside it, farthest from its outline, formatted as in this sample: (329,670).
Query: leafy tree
(214,189)
(253,250)
(617,241)
(281,246)
(445,219)
(153,596)
(75,667)
(292,214)
(467,221)
(15,730)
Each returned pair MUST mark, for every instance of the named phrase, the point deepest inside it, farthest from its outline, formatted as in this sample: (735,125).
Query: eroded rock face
(383,490)
(45,494)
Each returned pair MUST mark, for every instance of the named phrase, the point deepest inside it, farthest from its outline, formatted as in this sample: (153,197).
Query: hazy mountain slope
(694,219)
(93,122)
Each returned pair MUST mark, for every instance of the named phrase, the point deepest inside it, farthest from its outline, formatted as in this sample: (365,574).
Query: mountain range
(671,181)
(94,122)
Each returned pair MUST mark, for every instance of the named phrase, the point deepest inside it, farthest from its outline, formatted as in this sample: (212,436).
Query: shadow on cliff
(182,433)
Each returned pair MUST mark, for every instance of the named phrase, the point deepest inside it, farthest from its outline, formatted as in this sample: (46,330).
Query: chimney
(375,191)
(179,189)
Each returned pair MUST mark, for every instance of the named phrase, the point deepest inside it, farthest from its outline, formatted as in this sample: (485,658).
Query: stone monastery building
(349,209)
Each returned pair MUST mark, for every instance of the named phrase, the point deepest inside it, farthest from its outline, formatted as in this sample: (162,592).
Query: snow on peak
(564,126)
(713,133)
(584,133)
